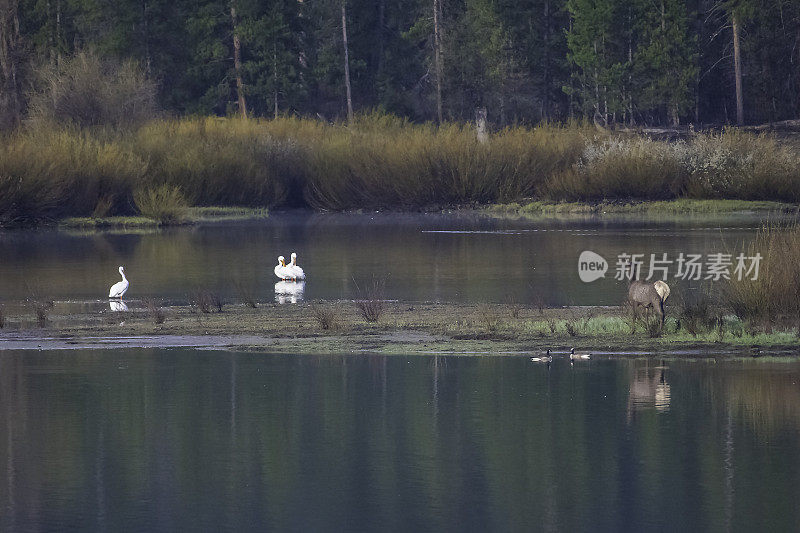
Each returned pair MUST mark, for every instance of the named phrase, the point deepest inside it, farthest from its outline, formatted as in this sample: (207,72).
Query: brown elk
(647,294)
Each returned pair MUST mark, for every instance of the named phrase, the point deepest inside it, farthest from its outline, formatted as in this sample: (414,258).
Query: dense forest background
(642,62)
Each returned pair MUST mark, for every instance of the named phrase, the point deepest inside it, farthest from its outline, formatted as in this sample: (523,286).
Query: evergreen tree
(644,61)
(479,63)
(598,56)
(665,61)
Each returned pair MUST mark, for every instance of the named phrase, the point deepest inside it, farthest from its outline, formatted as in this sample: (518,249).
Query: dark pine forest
(635,62)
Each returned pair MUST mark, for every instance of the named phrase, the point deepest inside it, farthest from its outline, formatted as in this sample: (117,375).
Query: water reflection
(289,291)
(187,440)
(649,387)
(422,257)
(117,306)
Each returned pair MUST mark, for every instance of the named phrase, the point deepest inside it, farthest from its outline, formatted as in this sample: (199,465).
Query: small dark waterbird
(543,359)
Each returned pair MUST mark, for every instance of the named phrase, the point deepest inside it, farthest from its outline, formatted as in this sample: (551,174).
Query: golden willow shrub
(620,168)
(51,174)
(221,162)
(774,297)
(421,165)
(730,165)
(379,162)
(164,203)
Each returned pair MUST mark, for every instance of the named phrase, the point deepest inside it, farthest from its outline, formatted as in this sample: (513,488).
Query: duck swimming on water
(543,359)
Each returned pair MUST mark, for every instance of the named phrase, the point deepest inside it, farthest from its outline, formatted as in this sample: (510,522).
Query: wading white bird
(281,270)
(119,288)
(295,272)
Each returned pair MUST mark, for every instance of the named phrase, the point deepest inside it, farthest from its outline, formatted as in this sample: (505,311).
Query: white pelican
(295,272)
(119,288)
(281,270)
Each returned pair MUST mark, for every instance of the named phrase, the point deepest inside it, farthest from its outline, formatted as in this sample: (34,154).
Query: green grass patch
(194,215)
(665,207)
(89,223)
(219,213)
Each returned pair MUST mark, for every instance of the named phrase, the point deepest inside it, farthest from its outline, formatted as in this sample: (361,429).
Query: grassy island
(435,328)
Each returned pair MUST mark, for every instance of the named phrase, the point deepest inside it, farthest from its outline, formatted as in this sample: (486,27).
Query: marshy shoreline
(161,170)
(402,328)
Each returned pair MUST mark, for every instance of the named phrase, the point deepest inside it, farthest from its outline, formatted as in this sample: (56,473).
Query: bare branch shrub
(154,310)
(371,301)
(85,90)
(488,317)
(204,300)
(41,305)
(513,305)
(325,316)
(244,292)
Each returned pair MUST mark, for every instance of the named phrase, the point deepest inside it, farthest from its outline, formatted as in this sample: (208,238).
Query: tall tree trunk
(480,125)
(59,41)
(347,64)
(737,65)
(381,33)
(547,70)
(275,76)
(437,53)
(237,62)
(146,38)
(630,70)
(10,101)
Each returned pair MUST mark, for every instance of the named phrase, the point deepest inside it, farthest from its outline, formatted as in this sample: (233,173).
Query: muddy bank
(339,327)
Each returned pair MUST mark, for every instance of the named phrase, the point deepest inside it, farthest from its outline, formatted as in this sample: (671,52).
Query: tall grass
(380,161)
(165,204)
(620,168)
(728,165)
(420,165)
(222,162)
(47,174)
(774,297)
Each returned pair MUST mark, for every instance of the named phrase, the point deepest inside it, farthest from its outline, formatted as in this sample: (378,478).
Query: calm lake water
(184,440)
(457,258)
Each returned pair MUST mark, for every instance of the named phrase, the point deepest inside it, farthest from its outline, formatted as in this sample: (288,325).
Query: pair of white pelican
(290,272)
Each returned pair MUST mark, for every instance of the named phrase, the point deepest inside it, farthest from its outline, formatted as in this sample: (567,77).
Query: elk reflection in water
(648,388)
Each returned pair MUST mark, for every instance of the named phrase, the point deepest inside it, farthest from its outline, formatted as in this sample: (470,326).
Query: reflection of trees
(203,440)
(765,395)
